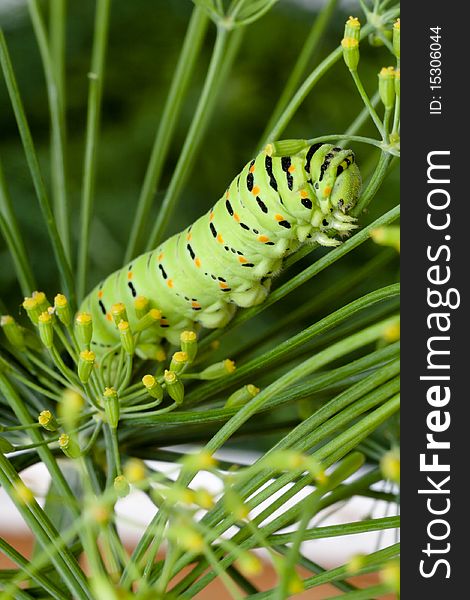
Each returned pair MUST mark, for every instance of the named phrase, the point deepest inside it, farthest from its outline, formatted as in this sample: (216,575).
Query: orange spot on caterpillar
(195,305)
(263,239)
(129,275)
(327,191)
(236,217)
(100,294)
(163,322)
(109,317)
(220,239)
(252,169)
(255,191)
(211,216)
(227,195)
(242,259)
(222,285)
(189,236)
(160,256)
(170,283)
(303,194)
(291,169)
(279,217)
(197,262)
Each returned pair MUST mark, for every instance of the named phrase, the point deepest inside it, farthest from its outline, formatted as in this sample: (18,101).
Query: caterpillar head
(335,178)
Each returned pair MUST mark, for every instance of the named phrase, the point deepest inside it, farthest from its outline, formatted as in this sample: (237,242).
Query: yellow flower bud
(220,369)
(46,330)
(121,486)
(152,386)
(178,361)
(86,360)
(151,318)
(32,309)
(69,446)
(62,309)
(111,407)
(242,396)
(47,420)
(396,38)
(189,344)
(127,339)
(135,470)
(119,313)
(174,386)
(141,306)
(387,87)
(83,329)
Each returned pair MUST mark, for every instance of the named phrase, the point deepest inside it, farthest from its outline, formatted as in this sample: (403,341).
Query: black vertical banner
(435,200)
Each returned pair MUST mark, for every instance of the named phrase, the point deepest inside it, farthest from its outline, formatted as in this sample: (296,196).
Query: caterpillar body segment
(291,193)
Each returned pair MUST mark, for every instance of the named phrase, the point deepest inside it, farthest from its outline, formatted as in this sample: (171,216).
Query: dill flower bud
(350,43)
(46,330)
(69,446)
(86,360)
(141,306)
(350,53)
(249,564)
(83,329)
(152,317)
(220,369)
(174,386)
(178,361)
(70,408)
(121,486)
(390,575)
(13,331)
(152,386)
(390,465)
(242,396)
(352,28)
(396,38)
(62,309)
(204,498)
(387,236)
(135,470)
(200,461)
(188,341)
(387,87)
(127,339)
(32,309)
(111,407)
(47,420)
(42,301)
(355,563)
(119,313)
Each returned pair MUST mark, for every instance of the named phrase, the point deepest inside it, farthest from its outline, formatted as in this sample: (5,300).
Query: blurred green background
(144,42)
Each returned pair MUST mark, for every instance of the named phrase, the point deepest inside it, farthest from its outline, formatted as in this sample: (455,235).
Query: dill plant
(318,381)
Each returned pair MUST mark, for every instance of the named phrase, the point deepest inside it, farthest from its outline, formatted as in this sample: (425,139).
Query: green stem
(38,578)
(11,233)
(33,164)
(95,91)
(171,113)
(221,61)
(283,350)
(55,91)
(365,98)
(45,533)
(321,22)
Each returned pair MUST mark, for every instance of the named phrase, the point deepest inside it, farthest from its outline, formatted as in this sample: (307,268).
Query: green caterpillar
(291,193)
